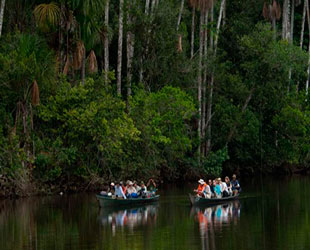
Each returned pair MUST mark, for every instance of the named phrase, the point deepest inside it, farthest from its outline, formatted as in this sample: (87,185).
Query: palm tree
(1,15)
(120,47)
(272,13)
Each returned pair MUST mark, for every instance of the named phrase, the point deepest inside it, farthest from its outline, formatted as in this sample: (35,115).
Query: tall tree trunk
(291,35)
(303,23)
(292,21)
(211,33)
(106,40)
(285,18)
(308,71)
(201,43)
(180,15)
(210,100)
(130,51)
(1,15)
(193,32)
(147,6)
(204,82)
(120,48)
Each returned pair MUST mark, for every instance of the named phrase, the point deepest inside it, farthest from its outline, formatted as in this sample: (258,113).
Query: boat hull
(105,201)
(199,201)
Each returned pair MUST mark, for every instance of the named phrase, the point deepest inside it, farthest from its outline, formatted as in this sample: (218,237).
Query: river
(272,214)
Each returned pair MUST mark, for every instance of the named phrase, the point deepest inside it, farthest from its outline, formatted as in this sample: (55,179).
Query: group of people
(130,189)
(217,188)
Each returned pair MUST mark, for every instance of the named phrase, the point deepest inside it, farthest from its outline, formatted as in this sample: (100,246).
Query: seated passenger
(224,188)
(207,191)
(143,189)
(214,185)
(131,191)
(210,183)
(136,186)
(235,185)
(201,188)
(119,191)
(123,187)
(218,191)
(229,186)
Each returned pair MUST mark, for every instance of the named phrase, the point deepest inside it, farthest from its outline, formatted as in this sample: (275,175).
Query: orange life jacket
(201,187)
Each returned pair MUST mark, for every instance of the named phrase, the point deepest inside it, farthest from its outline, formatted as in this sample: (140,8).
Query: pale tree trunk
(1,15)
(204,82)
(106,40)
(210,100)
(201,40)
(147,6)
(193,32)
(292,21)
(120,48)
(303,24)
(211,20)
(291,36)
(130,51)
(308,71)
(285,18)
(180,15)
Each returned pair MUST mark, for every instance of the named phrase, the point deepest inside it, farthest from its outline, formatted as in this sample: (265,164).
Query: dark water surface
(274,214)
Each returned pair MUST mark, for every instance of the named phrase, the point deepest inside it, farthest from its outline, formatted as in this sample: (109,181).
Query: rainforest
(100,90)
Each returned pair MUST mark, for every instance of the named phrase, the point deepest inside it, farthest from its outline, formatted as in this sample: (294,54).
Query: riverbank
(29,186)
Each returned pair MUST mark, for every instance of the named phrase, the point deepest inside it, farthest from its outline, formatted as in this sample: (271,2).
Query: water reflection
(212,219)
(130,218)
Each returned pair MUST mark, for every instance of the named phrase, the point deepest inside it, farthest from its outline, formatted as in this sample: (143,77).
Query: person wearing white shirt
(119,191)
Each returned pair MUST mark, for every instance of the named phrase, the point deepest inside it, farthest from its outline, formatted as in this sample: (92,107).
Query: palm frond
(47,14)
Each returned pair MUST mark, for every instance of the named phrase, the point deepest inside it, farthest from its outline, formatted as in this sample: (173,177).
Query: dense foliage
(91,98)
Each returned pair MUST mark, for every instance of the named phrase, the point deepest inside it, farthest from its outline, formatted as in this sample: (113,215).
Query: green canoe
(199,201)
(106,201)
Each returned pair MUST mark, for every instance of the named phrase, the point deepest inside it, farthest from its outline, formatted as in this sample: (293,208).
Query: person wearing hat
(235,185)
(131,191)
(111,189)
(201,188)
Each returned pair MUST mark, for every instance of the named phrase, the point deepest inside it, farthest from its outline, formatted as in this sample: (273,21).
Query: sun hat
(201,181)
(130,183)
(112,184)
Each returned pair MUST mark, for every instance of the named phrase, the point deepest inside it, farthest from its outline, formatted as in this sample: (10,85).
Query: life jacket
(201,188)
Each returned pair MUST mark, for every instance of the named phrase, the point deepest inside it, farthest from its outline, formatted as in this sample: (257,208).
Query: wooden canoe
(106,201)
(199,201)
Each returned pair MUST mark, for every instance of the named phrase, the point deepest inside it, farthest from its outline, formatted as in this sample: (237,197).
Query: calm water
(274,214)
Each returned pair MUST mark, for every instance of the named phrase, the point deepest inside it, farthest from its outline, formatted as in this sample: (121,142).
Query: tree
(2,6)
(120,48)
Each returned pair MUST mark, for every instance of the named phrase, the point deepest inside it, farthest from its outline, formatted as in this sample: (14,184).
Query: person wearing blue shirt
(235,185)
